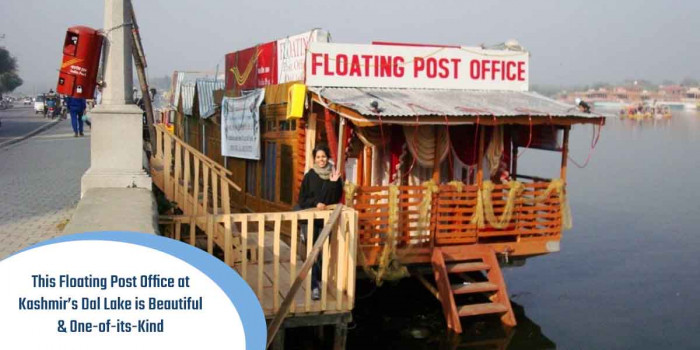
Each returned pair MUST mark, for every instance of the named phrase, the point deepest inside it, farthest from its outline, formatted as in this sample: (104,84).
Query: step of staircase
(481,309)
(476,287)
(467,267)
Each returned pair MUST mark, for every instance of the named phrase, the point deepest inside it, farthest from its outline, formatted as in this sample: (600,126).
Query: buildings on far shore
(675,96)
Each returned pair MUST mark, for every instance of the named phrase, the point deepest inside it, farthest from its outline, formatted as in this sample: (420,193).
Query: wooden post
(278,342)
(436,158)
(360,168)
(341,335)
(565,153)
(368,167)
(303,272)
(229,257)
(341,144)
(514,157)
(479,160)
(310,142)
(195,199)
(167,166)
(140,63)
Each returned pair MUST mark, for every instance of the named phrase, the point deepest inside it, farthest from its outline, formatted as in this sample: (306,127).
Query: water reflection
(404,315)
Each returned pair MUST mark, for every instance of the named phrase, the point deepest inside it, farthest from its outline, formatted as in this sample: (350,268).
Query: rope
(484,211)
(125,24)
(349,189)
(423,208)
(516,188)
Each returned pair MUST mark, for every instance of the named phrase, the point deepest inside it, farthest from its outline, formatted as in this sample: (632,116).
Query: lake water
(627,276)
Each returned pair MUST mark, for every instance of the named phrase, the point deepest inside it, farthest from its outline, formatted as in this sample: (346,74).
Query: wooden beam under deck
(421,255)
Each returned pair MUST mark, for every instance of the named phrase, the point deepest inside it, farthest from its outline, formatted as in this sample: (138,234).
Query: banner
(417,67)
(252,68)
(240,125)
(291,52)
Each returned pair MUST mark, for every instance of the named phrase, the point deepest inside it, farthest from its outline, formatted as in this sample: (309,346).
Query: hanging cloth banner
(240,125)
(421,144)
(465,142)
(397,151)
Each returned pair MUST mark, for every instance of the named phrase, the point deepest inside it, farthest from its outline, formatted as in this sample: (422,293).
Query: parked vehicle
(39,104)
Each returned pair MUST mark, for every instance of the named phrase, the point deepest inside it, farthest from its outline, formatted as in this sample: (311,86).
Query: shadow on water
(404,315)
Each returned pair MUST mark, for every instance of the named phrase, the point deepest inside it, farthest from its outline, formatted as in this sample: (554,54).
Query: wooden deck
(258,246)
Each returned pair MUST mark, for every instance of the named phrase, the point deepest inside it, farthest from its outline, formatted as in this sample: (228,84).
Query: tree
(9,82)
(7,62)
(9,79)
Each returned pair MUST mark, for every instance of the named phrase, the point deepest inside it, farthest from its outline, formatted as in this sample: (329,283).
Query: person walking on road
(76,107)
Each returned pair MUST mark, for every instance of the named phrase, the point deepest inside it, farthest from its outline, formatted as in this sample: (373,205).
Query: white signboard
(291,52)
(240,125)
(417,67)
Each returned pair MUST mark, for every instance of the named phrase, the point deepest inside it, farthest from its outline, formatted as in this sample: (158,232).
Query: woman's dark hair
(323,148)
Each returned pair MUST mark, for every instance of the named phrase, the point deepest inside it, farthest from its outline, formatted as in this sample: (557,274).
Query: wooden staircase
(480,259)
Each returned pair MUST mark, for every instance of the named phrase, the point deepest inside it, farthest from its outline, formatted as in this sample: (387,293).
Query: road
(39,178)
(19,120)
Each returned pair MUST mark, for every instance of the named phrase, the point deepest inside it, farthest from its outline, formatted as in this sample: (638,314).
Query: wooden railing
(196,184)
(265,248)
(277,258)
(451,212)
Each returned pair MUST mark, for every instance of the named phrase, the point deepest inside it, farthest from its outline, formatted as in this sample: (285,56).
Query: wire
(529,141)
(594,142)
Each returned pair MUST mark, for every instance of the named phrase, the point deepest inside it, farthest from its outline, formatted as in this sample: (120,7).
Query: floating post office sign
(418,67)
(240,125)
(291,52)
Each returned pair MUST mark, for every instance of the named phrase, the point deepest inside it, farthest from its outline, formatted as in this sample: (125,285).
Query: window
(251,176)
(270,171)
(286,174)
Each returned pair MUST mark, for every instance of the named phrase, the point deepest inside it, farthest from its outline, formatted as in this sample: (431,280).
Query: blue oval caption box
(121,290)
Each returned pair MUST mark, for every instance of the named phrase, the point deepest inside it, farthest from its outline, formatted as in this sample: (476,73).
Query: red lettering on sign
(444,69)
(431,67)
(495,69)
(367,59)
(521,71)
(355,66)
(456,63)
(474,69)
(510,75)
(385,66)
(341,64)
(418,65)
(325,66)
(314,62)
(398,66)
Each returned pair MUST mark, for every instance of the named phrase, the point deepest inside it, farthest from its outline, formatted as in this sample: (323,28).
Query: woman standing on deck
(322,186)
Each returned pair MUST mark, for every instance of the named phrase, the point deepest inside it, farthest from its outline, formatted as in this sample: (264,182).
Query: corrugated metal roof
(205,95)
(416,102)
(186,78)
(187,91)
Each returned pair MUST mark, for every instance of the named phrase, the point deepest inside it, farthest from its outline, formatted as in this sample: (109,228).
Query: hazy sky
(571,42)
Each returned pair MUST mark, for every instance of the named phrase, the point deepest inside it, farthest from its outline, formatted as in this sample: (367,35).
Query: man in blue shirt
(76,107)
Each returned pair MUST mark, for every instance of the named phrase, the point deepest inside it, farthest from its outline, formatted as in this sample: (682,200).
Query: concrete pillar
(116,145)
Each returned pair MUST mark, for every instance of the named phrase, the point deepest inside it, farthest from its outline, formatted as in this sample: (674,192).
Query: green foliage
(7,62)
(9,79)
(9,82)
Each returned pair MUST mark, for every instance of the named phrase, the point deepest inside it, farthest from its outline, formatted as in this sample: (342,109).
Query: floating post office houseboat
(428,139)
